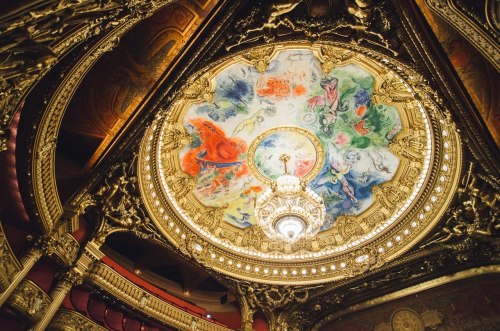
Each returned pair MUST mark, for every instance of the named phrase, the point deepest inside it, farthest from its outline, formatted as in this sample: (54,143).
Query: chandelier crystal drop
(289,210)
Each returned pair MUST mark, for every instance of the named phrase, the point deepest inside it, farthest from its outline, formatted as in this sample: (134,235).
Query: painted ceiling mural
(327,122)
(354,132)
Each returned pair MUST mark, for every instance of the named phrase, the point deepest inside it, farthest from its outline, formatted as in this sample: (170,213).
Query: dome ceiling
(355,133)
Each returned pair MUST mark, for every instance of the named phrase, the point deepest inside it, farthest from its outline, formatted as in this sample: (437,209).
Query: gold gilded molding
(43,166)
(260,58)
(470,273)
(365,21)
(9,265)
(29,299)
(121,288)
(477,214)
(331,57)
(70,320)
(41,33)
(67,248)
(199,90)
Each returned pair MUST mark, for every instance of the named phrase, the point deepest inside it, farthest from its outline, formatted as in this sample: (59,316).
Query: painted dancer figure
(329,102)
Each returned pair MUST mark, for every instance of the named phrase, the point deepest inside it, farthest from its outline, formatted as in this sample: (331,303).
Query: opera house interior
(250,165)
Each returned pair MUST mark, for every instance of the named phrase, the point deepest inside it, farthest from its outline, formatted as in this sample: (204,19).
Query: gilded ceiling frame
(445,171)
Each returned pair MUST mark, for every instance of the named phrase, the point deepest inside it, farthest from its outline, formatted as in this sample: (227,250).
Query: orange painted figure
(216,151)
(274,87)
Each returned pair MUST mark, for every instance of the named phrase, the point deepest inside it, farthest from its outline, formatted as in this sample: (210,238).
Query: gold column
(27,261)
(67,281)
(246,316)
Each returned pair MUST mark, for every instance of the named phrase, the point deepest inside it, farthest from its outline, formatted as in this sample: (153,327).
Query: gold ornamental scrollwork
(29,299)
(199,90)
(392,90)
(259,58)
(271,300)
(117,204)
(67,248)
(360,21)
(175,138)
(332,57)
(477,214)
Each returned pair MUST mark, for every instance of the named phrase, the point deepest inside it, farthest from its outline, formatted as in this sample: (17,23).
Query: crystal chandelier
(289,210)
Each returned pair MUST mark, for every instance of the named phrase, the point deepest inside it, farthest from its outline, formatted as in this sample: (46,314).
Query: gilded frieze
(70,320)
(119,287)
(30,299)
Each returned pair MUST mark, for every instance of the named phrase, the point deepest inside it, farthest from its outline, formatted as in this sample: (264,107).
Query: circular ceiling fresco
(355,133)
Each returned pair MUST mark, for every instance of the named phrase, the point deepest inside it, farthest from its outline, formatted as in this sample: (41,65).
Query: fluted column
(66,282)
(27,262)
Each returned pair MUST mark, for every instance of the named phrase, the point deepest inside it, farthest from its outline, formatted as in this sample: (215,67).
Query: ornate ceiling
(157,126)
(354,131)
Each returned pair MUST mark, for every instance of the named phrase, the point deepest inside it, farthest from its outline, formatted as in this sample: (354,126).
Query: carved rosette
(404,209)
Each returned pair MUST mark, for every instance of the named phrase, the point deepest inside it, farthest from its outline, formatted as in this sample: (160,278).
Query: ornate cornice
(428,58)
(70,320)
(124,290)
(30,300)
(365,23)
(465,274)
(47,207)
(67,248)
(407,271)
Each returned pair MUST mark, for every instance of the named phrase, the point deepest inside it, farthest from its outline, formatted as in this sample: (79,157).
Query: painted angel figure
(339,169)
